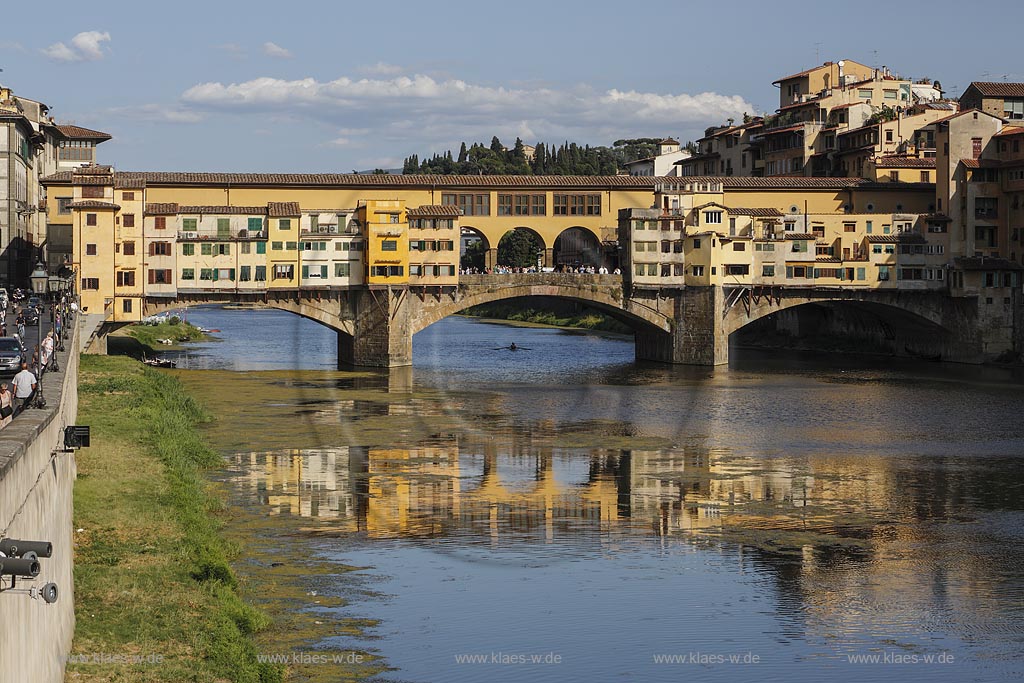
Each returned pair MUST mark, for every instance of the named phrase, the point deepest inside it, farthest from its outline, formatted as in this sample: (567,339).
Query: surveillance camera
(15,548)
(10,566)
(48,593)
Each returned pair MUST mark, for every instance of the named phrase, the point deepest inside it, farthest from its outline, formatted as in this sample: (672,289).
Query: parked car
(12,355)
(31,316)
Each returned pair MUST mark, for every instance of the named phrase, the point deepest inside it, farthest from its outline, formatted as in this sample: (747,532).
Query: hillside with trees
(568,158)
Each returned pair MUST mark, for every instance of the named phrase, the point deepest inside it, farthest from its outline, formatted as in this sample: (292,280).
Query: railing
(330,230)
(218,235)
(986,214)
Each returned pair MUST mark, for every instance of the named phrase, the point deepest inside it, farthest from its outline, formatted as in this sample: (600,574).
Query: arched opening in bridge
(522,247)
(578,247)
(848,327)
(475,251)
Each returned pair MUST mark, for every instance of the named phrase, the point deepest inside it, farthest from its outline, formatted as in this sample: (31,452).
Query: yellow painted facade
(387,241)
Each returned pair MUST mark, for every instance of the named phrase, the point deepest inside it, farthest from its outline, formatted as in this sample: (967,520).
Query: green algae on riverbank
(151,571)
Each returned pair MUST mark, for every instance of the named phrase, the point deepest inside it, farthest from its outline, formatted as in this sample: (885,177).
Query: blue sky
(330,87)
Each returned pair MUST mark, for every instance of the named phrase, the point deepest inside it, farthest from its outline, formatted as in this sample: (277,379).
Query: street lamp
(39,279)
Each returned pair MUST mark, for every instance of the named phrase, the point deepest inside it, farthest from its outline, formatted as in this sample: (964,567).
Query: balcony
(986,214)
(329,230)
(222,236)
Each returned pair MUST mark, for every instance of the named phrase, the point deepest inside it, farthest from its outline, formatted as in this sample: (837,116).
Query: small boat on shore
(160,362)
(933,358)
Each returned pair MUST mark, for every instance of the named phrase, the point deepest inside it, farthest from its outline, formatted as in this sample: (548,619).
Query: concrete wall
(36,504)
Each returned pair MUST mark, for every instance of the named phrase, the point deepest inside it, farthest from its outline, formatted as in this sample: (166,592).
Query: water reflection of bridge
(493,493)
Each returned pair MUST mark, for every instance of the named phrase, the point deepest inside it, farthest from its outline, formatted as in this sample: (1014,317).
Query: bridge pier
(382,330)
(699,336)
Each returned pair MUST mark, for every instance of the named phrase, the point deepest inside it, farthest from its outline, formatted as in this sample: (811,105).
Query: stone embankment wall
(36,485)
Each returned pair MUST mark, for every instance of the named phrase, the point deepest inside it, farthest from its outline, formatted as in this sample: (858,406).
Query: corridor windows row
(431,245)
(664,269)
(469,204)
(437,270)
(522,205)
(479,204)
(577,204)
(387,271)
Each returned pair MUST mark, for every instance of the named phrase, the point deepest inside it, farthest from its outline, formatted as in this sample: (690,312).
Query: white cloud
(274,50)
(234,50)
(381,69)
(157,113)
(86,46)
(420,112)
(13,46)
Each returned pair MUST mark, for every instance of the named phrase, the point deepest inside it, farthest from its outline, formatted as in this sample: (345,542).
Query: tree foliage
(518,249)
(568,158)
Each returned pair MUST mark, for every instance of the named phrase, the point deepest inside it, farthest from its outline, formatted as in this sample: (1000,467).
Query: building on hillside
(661,164)
(900,168)
(1005,100)
(831,120)
(725,151)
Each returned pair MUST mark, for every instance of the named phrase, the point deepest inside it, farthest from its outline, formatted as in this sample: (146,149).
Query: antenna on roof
(817,53)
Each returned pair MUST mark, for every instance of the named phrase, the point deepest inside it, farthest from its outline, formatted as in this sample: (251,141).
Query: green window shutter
(291,246)
(223,227)
(323,271)
(261,247)
(861,273)
(189,224)
(206,249)
(188,250)
(284,223)
(255,224)
(305,272)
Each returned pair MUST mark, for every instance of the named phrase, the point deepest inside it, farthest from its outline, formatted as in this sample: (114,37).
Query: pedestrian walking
(25,384)
(6,405)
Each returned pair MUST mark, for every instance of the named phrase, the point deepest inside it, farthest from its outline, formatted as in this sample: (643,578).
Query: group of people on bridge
(515,270)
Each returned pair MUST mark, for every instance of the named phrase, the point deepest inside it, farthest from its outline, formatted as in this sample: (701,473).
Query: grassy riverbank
(177,332)
(586,319)
(152,578)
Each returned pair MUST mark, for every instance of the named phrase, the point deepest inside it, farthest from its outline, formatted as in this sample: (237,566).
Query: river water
(561,513)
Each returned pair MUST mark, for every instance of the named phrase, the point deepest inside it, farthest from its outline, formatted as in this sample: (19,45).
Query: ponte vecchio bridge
(688,325)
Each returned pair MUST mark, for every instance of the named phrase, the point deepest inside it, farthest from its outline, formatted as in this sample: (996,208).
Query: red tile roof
(989,89)
(244,210)
(93,204)
(283,209)
(756,213)
(161,209)
(1010,130)
(982,263)
(802,73)
(435,210)
(79,133)
(905,162)
(971,163)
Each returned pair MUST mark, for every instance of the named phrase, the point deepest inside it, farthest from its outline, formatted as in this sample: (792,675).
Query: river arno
(559,513)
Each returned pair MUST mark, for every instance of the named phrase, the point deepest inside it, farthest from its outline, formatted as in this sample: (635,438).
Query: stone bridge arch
(330,309)
(603,293)
(922,322)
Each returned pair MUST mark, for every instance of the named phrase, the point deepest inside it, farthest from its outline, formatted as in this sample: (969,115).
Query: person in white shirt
(24,387)
(46,351)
